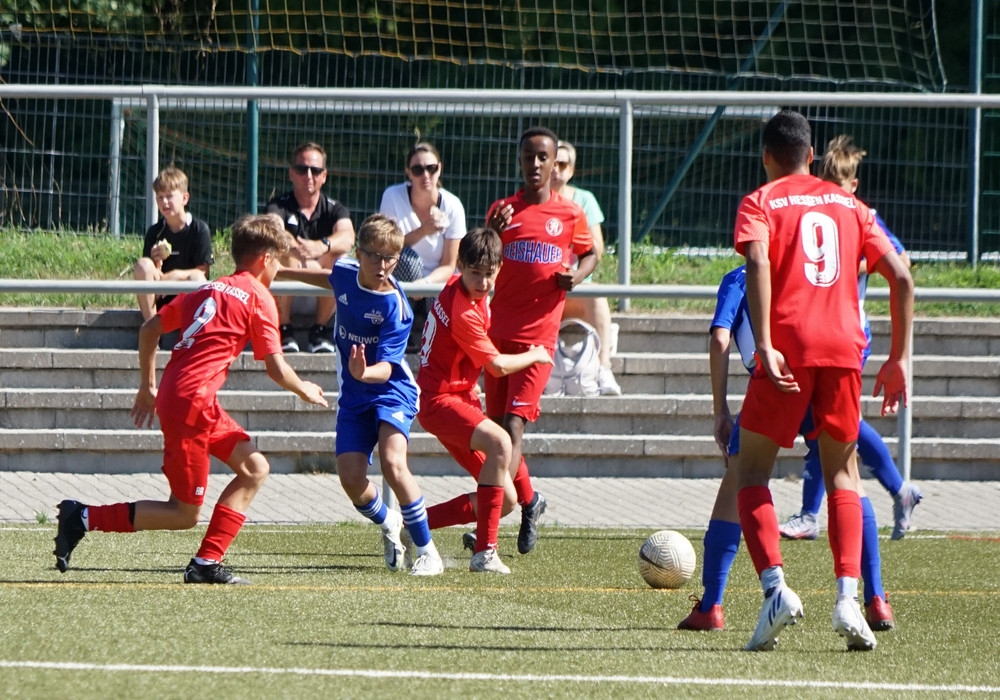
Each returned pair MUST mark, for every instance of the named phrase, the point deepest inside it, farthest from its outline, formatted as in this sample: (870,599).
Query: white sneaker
(903,504)
(801,526)
(428,564)
(850,624)
(488,560)
(606,383)
(781,609)
(391,543)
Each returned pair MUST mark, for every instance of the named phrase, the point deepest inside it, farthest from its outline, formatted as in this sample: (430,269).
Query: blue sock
(876,456)
(415,518)
(871,560)
(721,542)
(812,480)
(375,509)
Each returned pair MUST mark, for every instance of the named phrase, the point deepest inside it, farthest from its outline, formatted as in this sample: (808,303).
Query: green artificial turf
(324,618)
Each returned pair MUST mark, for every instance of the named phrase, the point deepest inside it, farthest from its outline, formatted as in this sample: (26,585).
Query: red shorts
(833,392)
(187,452)
(519,393)
(452,418)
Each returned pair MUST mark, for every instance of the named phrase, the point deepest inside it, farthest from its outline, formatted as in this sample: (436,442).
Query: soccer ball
(666,559)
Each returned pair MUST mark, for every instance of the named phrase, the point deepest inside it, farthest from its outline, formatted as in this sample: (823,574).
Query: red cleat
(879,614)
(711,621)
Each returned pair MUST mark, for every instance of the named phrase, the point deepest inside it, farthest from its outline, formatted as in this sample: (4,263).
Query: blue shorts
(358,431)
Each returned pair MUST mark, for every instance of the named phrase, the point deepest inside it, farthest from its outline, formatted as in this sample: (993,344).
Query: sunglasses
(306,169)
(378,258)
(562,164)
(419,170)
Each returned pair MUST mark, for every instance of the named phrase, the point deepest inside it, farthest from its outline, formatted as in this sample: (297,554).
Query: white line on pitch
(527,678)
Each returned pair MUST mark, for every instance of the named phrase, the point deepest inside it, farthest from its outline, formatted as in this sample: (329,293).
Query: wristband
(326,242)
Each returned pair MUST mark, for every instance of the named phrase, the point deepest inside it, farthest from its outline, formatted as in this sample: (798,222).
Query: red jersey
(455,345)
(537,243)
(216,322)
(817,235)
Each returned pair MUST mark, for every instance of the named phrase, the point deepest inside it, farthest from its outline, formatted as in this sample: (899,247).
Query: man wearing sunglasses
(323,233)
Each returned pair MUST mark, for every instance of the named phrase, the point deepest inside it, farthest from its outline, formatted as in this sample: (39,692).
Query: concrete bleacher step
(67,381)
(549,454)
(636,414)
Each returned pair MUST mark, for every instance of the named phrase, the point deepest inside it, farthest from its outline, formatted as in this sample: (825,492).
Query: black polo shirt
(327,213)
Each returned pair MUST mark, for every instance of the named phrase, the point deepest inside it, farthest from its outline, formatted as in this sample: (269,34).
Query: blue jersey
(382,321)
(733,314)
(863,281)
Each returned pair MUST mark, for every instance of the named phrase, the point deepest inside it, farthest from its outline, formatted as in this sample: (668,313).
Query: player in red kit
(803,239)
(216,322)
(454,350)
(540,230)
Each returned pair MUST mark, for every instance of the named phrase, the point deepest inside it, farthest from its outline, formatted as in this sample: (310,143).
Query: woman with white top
(432,218)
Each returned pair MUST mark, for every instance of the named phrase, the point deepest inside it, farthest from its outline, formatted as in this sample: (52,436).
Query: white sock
(847,586)
(771,577)
(201,561)
(428,549)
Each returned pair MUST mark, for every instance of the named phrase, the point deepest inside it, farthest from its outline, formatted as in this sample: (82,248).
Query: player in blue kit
(378,394)
(732,322)
(840,164)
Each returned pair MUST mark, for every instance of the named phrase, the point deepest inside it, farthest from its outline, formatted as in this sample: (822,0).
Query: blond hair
(841,160)
(379,230)
(256,234)
(169,180)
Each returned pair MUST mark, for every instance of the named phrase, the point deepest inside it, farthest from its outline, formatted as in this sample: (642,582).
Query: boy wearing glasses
(540,231)
(378,394)
(323,233)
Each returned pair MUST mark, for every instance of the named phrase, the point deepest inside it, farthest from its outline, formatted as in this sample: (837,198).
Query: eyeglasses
(562,164)
(378,258)
(306,169)
(418,169)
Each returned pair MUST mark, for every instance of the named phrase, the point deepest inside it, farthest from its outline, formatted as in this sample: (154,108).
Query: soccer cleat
(781,608)
(903,504)
(391,542)
(211,573)
(469,541)
(606,383)
(801,526)
(879,614)
(428,564)
(69,532)
(288,343)
(850,624)
(711,621)
(321,340)
(489,561)
(527,536)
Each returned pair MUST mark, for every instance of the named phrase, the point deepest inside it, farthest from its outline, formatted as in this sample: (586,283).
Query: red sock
(522,484)
(222,530)
(457,511)
(489,500)
(112,518)
(760,526)
(845,522)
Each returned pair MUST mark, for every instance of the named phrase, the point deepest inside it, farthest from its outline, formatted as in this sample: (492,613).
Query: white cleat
(903,504)
(781,608)
(850,624)
(428,564)
(488,561)
(801,526)
(391,542)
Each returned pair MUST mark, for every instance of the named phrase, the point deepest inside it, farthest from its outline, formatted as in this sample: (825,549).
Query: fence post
(115,168)
(975,128)
(626,125)
(152,154)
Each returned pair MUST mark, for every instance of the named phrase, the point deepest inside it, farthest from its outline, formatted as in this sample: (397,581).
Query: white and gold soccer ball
(666,559)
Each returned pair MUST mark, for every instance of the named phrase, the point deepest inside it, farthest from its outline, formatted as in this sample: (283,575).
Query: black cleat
(527,536)
(469,541)
(69,532)
(211,573)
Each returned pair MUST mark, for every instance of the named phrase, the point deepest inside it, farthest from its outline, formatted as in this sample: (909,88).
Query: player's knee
(145,269)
